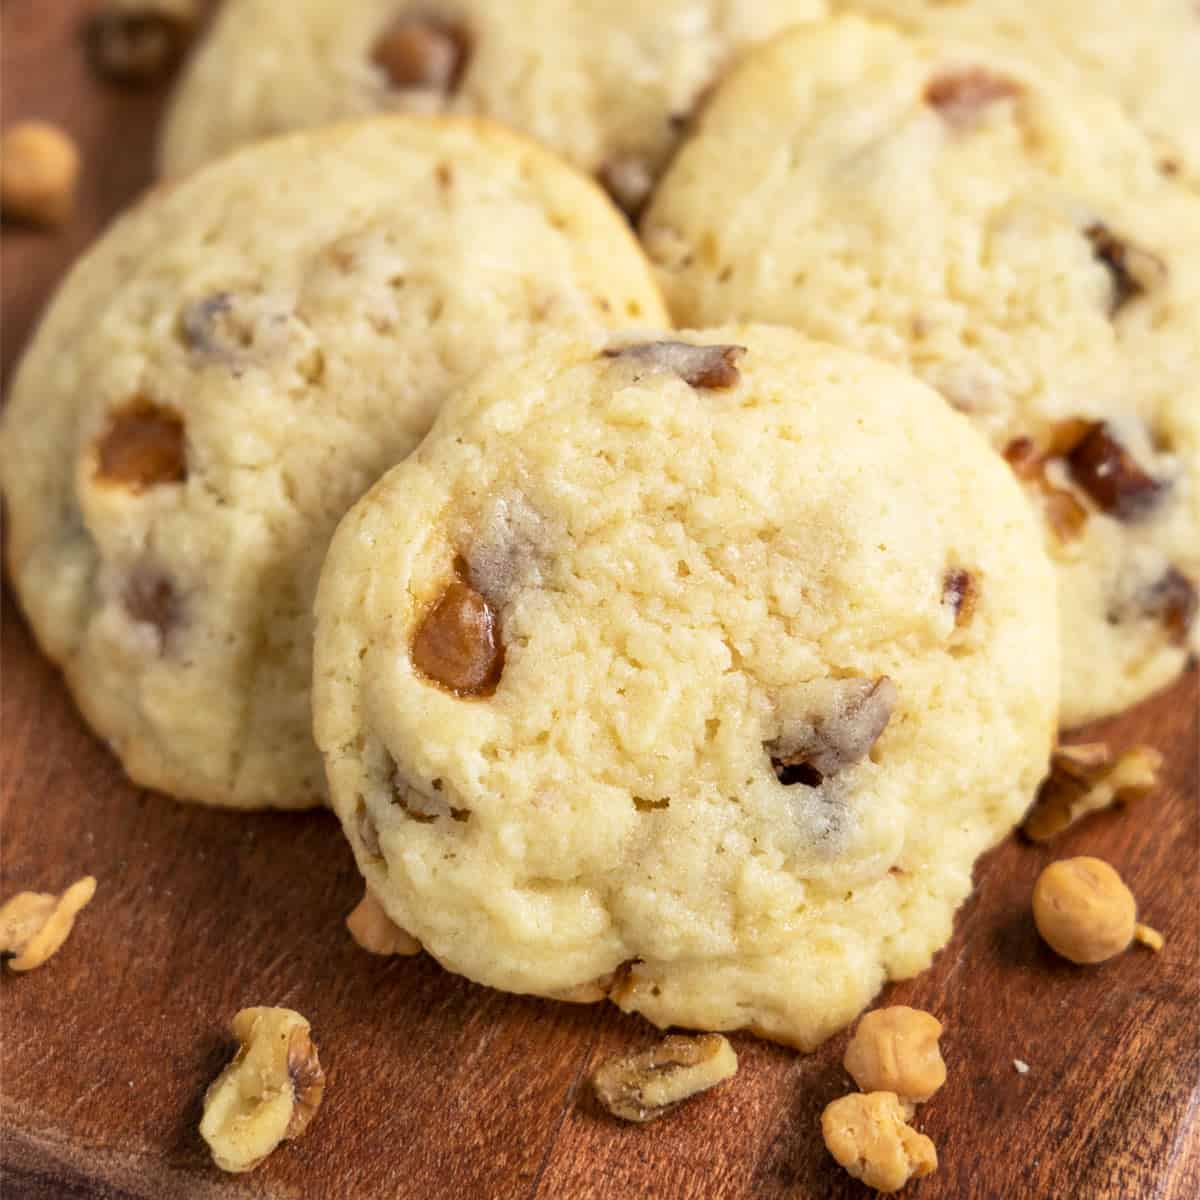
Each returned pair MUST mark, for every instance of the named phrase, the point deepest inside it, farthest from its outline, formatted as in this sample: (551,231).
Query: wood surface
(438,1088)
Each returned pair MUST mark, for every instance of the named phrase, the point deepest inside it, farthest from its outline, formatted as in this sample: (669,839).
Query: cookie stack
(688,667)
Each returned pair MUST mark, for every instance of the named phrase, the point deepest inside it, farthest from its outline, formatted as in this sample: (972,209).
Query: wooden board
(439,1088)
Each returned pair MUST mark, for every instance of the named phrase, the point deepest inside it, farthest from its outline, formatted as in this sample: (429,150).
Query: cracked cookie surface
(739,744)
(1011,240)
(227,371)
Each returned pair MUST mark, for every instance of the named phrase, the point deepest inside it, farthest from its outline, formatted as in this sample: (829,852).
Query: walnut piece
(139,42)
(1083,910)
(1085,779)
(710,367)
(368,832)
(423,51)
(376,932)
(33,925)
(1111,476)
(831,741)
(960,590)
(643,1087)
(1134,272)
(39,174)
(961,97)
(1067,517)
(896,1050)
(143,447)
(1172,600)
(629,180)
(870,1137)
(150,599)
(268,1093)
(458,642)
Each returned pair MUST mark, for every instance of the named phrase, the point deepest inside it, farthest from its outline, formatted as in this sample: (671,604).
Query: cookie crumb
(1021,1068)
(39,174)
(1148,937)
(643,1087)
(34,925)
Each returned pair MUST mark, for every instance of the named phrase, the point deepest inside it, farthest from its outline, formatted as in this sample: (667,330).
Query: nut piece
(896,1050)
(458,643)
(268,1093)
(1083,910)
(143,447)
(1148,937)
(960,590)
(39,172)
(149,599)
(422,51)
(1134,272)
(1172,599)
(870,1137)
(832,741)
(711,367)
(643,1087)
(1085,779)
(629,180)
(960,98)
(33,925)
(1111,476)
(376,932)
(139,42)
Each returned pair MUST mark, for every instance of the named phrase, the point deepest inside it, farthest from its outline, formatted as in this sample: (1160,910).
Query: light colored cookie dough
(607,83)
(748,673)
(1013,242)
(227,371)
(1146,54)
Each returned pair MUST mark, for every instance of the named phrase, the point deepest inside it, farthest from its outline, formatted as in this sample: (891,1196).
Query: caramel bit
(896,1050)
(643,1087)
(39,174)
(458,643)
(870,1137)
(629,181)
(1066,515)
(1085,779)
(838,739)
(709,367)
(1173,600)
(423,52)
(1134,271)
(961,592)
(143,447)
(1083,910)
(960,97)
(376,932)
(1111,476)
(139,42)
(150,599)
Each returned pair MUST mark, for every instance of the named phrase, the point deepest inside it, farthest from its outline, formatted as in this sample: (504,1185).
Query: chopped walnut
(269,1092)
(960,591)
(896,1050)
(1083,910)
(139,42)
(376,932)
(1085,779)
(1172,599)
(1066,515)
(829,742)
(1144,935)
(1134,272)
(39,174)
(629,180)
(368,833)
(33,925)
(1111,476)
(422,51)
(961,97)
(458,642)
(643,1087)
(205,325)
(143,447)
(710,367)
(150,599)
(870,1137)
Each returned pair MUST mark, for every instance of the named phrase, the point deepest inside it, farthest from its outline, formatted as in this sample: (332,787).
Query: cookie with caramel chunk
(692,670)
(238,359)
(1010,237)
(609,84)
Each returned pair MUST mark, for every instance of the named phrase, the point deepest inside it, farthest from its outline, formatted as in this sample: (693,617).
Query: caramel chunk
(150,599)
(1172,599)
(1111,476)
(39,173)
(961,592)
(139,42)
(458,643)
(1134,272)
(1083,910)
(961,97)
(643,1087)
(710,367)
(896,1050)
(376,932)
(422,51)
(870,1137)
(143,447)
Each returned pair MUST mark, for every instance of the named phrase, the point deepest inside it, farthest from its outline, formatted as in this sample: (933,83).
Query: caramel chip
(960,97)
(458,643)
(425,52)
(142,448)
(1111,476)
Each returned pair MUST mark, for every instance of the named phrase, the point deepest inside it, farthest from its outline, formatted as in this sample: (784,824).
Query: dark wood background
(438,1088)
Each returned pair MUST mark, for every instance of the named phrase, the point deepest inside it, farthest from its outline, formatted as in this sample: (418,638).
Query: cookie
(1147,57)
(607,83)
(227,371)
(692,674)
(1013,242)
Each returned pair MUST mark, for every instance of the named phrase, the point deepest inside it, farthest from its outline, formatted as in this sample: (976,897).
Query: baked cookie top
(695,674)
(1145,55)
(238,359)
(1012,241)
(607,83)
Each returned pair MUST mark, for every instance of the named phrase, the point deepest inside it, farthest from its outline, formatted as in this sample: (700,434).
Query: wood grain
(438,1088)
